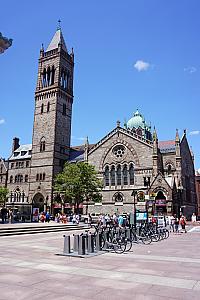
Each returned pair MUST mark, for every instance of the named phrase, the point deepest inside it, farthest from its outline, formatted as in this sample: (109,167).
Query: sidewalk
(168,269)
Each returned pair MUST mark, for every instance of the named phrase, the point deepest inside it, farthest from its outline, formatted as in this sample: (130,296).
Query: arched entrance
(160,203)
(38,202)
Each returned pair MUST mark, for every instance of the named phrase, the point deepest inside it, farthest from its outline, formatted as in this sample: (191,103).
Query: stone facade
(136,168)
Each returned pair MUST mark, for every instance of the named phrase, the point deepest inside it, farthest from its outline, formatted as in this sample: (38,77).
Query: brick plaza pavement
(29,269)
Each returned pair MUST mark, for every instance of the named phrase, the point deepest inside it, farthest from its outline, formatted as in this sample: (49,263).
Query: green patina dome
(136,121)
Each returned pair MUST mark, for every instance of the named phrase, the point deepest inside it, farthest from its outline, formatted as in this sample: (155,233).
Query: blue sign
(141,216)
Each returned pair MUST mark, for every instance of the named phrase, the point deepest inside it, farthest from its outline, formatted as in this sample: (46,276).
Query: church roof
(56,40)
(167,146)
(23,152)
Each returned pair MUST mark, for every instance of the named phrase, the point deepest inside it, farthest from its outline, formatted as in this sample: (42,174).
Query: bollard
(81,246)
(66,249)
(98,242)
(90,243)
(76,242)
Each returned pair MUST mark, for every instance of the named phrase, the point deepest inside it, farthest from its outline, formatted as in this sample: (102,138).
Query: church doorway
(160,204)
(38,202)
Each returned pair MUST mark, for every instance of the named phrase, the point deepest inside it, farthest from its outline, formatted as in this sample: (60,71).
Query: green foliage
(78,182)
(3,195)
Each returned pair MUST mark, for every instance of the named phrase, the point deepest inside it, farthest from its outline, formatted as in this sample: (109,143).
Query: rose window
(119,151)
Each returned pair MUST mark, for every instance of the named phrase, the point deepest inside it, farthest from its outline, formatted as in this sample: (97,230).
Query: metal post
(81,246)
(67,247)
(90,243)
(76,242)
(98,242)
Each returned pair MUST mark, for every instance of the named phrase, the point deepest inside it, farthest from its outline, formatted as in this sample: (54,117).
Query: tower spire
(59,26)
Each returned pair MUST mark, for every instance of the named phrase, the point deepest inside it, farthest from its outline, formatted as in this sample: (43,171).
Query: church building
(136,168)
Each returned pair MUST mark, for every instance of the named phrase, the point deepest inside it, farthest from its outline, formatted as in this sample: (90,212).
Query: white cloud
(190,70)
(2,121)
(78,138)
(141,65)
(194,132)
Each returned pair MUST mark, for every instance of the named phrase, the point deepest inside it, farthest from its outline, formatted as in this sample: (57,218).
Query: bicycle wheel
(166,232)
(146,239)
(129,245)
(119,247)
(155,237)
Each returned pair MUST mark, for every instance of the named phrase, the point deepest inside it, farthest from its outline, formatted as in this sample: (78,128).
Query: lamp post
(180,189)
(134,193)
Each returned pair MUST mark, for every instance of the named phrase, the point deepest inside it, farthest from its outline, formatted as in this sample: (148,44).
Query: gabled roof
(123,131)
(167,146)
(4,162)
(23,152)
(56,40)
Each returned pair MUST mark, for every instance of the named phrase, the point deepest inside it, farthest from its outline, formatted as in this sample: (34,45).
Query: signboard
(141,216)
(161,202)
(35,214)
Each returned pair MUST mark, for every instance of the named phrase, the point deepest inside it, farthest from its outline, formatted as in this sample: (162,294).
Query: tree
(3,195)
(78,182)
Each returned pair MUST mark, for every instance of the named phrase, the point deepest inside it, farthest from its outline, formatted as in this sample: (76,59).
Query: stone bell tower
(52,119)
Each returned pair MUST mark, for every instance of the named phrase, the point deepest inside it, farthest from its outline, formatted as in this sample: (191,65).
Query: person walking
(4,214)
(176,225)
(183,223)
(194,218)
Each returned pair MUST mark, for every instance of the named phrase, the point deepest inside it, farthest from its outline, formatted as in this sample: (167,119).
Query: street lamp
(180,189)
(134,193)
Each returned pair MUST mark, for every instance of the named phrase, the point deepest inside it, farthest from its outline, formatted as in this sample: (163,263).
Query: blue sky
(129,54)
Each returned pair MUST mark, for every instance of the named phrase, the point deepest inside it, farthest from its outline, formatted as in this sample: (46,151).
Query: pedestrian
(47,217)
(77,219)
(4,214)
(74,219)
(183,223)
(120,221)
(10,216)
(194,218)
(176,225)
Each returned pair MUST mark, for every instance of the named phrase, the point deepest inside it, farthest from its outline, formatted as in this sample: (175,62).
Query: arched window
(118,197)
(125,175)
(43,176)
(48,107)
(42,108)
(11,179)
(169,169)
(68,81)
(44,80)
(112,175)
(20,178)
(52,75)
(48,76)
(106,176)
(16,178)
(40,176)
(119,181)
(26,178)
(42,145)
(37,177)
(131,174)
(64,109)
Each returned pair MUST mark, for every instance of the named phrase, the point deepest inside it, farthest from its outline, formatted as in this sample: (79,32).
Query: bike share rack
(84,245)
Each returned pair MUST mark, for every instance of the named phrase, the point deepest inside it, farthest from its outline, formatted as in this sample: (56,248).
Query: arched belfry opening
(38,202)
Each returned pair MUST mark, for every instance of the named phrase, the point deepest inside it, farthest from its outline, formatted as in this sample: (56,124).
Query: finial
(125,123)
(59,26)
(118,123)
(42,47)
(184,131)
